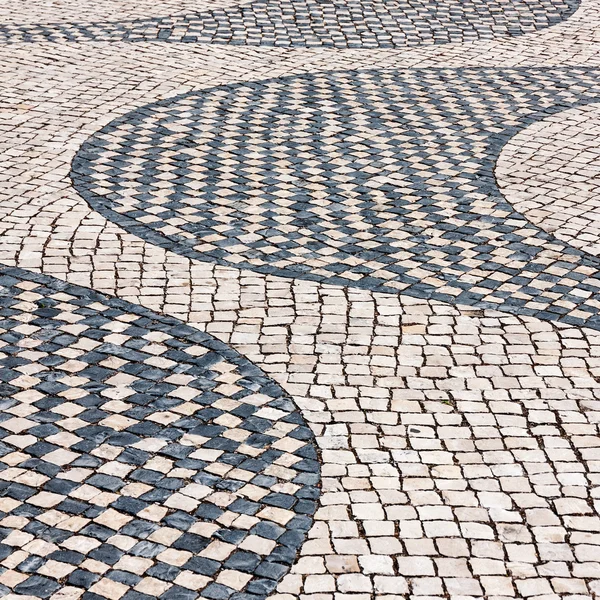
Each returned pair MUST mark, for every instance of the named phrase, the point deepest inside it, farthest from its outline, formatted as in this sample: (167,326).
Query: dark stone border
(80,175)
(152,394)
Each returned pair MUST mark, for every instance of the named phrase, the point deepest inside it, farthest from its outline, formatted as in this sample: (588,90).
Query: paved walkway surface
(299,299)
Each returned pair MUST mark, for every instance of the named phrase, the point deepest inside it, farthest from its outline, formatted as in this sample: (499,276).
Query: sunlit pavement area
(300,299)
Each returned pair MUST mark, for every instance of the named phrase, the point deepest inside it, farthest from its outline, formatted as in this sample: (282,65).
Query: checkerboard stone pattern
(314,23)
(550,172)
(375,179)
(139,458)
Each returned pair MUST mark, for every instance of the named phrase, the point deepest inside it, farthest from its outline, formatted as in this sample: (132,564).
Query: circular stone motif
(140,458)
(313,23)
(550,172)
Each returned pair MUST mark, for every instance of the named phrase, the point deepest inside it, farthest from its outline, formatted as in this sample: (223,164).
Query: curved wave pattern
(550,172)
(337,24)
(140,458)
(382,180)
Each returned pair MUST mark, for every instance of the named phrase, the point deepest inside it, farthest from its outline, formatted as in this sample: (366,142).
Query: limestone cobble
(458,443)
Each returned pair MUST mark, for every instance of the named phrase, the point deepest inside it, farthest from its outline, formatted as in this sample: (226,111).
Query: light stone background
(371,372)
(551,173)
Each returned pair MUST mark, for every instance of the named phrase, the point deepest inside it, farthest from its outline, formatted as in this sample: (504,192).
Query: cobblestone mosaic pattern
(381,180)
(140,458)
(315,23)
(551,174)
(405,396)
(457,443)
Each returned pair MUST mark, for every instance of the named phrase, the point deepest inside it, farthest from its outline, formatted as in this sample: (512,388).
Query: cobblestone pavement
(135,445)
(302,304)
(561,196)
(340,24)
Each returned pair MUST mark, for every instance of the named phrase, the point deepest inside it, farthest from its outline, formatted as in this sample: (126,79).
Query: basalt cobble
(317,23)
(139,453)
(456,435)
